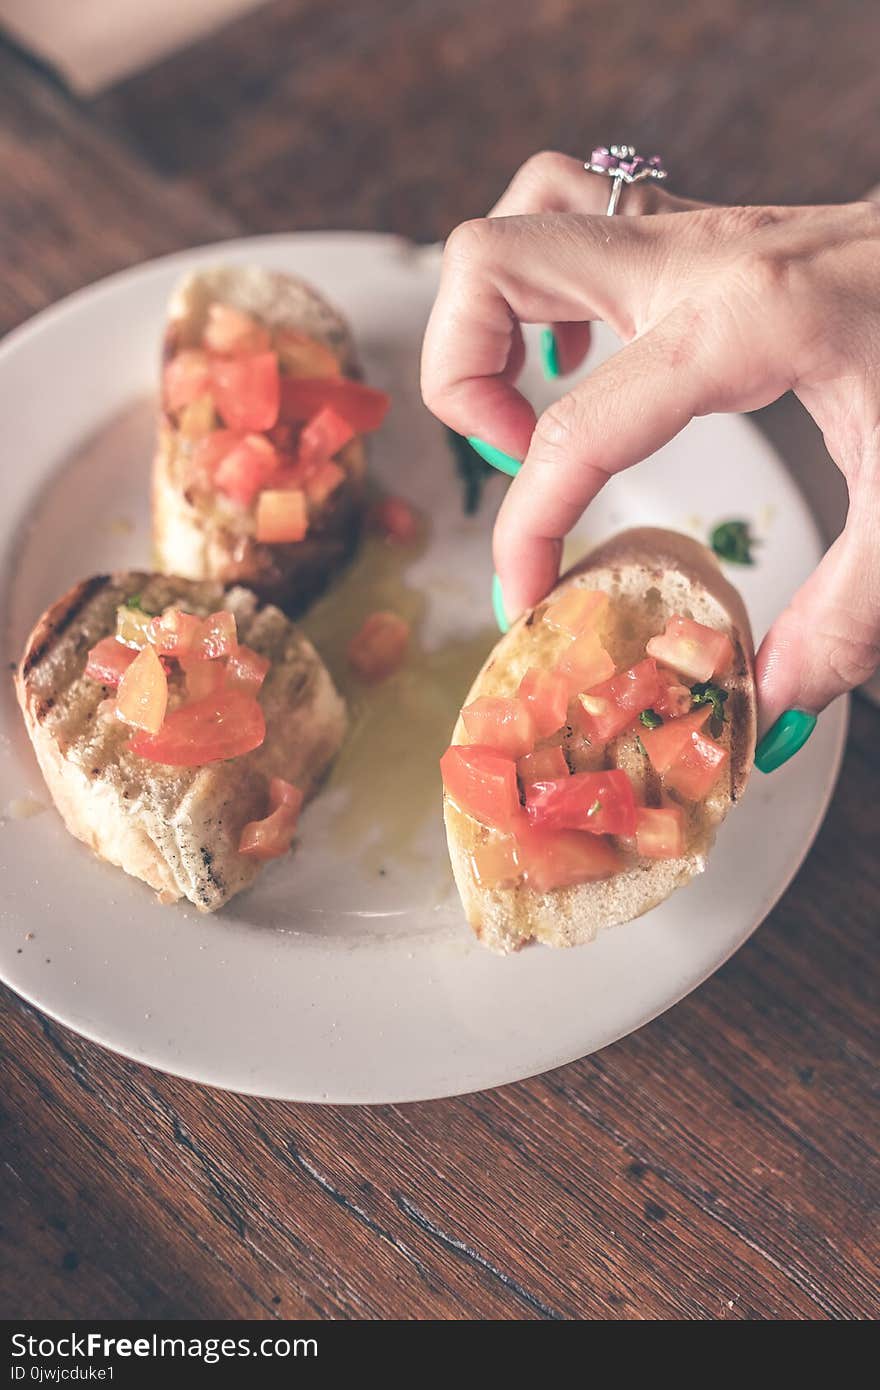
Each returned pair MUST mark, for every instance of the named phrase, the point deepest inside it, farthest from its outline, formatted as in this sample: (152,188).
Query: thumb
(826,642)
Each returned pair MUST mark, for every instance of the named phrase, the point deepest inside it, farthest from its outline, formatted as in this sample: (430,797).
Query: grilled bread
(650,575)
(177,828)
(200,534)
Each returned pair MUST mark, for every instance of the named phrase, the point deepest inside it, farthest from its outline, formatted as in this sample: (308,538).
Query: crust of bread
(218,542)
(650,574)
(177,829)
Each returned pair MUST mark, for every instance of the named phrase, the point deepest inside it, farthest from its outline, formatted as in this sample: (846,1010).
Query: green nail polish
(496,457)
(784,739)
(498,604)
(550,354)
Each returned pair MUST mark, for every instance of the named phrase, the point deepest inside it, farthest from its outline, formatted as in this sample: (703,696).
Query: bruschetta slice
(179,727)
(259,472)
(601,745)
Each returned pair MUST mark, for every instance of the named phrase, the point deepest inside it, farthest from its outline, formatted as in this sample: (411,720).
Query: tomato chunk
(544,765)
(395,520)
(248,467)
(545,693)
(500,723)
(697,651)
(218,637)
(482,784)
(561,858)
(611,707)
(586,663)
(282,516)
(247,391)
(673,699)
(108,661)
(601,802)
(495,863)
(174,632)
(272,836)
(323,436)
(378,648)
(246,669)
(302,356)
(142,697)
(206,731)
(323,482)
(660,832)
(577,611)
(232,333)
(697,767)
(208,452)
(186,377)
(362,406)
(665,744)
(203,678)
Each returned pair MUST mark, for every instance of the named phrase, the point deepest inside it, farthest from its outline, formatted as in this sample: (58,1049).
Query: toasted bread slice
(178,829)
(650,575)
(207,537)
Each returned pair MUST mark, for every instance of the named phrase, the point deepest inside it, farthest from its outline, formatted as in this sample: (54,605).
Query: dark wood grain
(720,1163)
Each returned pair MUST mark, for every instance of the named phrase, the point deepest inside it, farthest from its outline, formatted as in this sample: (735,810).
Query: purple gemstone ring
(622,165)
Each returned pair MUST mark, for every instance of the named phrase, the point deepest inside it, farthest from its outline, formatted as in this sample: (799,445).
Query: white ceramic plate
(331,980)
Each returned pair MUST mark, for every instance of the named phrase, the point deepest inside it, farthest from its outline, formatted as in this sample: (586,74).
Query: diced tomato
(248,467)
(247,391)
(545,693)
(324,481)
(697,767)
(482,784)
(500,723)
(377,650)
(282,516)
(659,832)
(544,765)
(209,450)
(665,744)
(206,731)
(108,661)
(197,419)
(233,334)
(218,637)
(301,356)
(495,863)
(142,697)
(186,377)
(323,436)
(696,651)
(586,663)
(673,699)
(577,611)
(601,802)
(246,669)
(610,708)
(395,520)
(272,836)
(132,626)
(172,633)
(362,406)
(561,858)
(203,678)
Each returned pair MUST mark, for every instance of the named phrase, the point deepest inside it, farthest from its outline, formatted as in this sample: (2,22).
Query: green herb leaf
(596,806)
(473,470)
(650,718)
(732,541)
(135,602)
(705,693)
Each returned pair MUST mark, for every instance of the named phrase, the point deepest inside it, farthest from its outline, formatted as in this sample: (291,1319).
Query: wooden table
(717,1164)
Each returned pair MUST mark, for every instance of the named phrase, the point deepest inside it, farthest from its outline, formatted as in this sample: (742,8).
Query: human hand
(721,309)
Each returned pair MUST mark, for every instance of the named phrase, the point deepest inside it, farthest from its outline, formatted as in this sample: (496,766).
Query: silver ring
(622,165)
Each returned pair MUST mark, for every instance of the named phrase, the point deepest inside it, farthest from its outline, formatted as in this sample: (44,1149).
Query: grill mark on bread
(50,631)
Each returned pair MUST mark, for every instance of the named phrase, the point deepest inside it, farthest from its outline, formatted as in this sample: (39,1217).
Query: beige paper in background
(93,43)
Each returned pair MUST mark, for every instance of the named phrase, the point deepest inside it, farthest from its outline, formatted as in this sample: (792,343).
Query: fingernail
(498,605)
(550,354)
(785,738)
(496,457)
